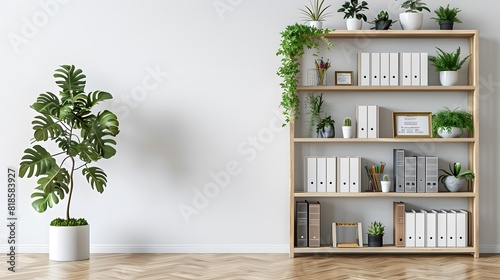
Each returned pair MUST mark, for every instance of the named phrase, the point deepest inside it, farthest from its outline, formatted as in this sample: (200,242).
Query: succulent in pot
(382,21)
(376,234)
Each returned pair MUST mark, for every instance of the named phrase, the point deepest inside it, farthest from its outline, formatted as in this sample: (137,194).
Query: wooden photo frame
(412,124)
(344,78)
(356,240)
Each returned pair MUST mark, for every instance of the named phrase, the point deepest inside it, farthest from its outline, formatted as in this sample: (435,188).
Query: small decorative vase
(446,24)
(347,131)
(386,186)
(453,184)
(448,78)
(321,73)
(411,21)
(454,132)
(316,23)
(327,132)
(353,24)
(375,240)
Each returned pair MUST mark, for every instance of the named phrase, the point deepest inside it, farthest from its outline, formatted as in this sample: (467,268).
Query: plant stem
(70,186)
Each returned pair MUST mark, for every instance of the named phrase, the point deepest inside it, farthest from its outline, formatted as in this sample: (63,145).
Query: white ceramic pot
(348,131)
(354,24)
(448,78)
(453,184)
(69,243)
(386,186)
(411,21)
(317,24)
(454,132)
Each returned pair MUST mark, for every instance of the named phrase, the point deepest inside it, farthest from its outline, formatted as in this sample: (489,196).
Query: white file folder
(362,121)
(354,174)
(375,69)
(311,175)
(384,69)
(431,228)
(364,69)
(406,69)
(410,229)
(344,183)
(410,174)
(321,174)
(373,131)
(420,229)
(424,69)
(451,229)
(394,69)
(441,229)
(331,174)
(415,69)
(462,228)
(431,174)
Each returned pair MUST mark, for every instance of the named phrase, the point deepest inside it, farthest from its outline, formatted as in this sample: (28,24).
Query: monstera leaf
(96,178)
(45,128)
(71,81)
(51,188)
(36,161)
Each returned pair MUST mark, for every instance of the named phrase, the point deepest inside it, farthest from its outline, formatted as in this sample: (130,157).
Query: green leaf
(51,189)
(97,96)
(48,104)
(45,127)
(71,81)
(36,161)
(96,178)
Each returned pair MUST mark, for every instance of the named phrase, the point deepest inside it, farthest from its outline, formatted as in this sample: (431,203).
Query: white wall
(195,90)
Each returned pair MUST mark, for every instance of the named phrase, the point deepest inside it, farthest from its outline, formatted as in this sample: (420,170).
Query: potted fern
(82,137)
(449,123)
(347,128)
(446,17)
(455,180)
(353,13)
(316,13)
(447,64)
(412,18)
(376,234)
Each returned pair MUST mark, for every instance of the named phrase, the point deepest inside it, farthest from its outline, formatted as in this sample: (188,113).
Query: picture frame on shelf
(343,78)
(341,240)
(412,124)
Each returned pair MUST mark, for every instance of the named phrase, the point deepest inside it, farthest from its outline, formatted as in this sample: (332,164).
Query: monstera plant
(82,137)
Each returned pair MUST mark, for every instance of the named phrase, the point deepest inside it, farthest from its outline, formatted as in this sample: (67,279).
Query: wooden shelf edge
(402,33)
(385,140)
(385,88)
(390,194)
(385,249)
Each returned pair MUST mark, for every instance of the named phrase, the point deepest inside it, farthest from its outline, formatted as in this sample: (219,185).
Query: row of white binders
(333,174)
(367,118)
(415,173)
(393,69)
(443,228)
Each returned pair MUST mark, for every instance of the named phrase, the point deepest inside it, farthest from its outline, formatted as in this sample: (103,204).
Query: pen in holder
(373,174)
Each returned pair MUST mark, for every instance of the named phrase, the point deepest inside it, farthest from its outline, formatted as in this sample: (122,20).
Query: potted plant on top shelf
(382,21)
(82,137)
(315,14)
(293,41)
(455,180)
(447,64)
(353,13)
(446,17)
(451,123)
(412,18)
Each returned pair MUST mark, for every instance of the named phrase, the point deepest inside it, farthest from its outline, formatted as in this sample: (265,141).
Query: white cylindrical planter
(386,186)
(354,24)
(454,133)
(317,24)
(347,131)
(69,243)
(411,21)
(448,78)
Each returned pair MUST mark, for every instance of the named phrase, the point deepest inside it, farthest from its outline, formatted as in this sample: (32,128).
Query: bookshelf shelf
(464,148)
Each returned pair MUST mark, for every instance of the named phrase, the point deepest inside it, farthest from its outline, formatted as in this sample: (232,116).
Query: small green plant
(447,13)
(354,9)
(382,21)
(447,118)
(327,121)
(72,222)
(376,228)
(293,41)
(386,177)
(447,61)
(413,6)
(347,122)
(315,103)
(316,12)
(455,171)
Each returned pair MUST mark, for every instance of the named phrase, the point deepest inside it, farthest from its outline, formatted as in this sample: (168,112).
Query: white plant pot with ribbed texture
(69,243)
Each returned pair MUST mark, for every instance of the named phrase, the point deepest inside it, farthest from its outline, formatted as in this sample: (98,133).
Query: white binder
(421,174)
(344,183)
(354,174)
(375,69)
(364,69)
(410,174)
(321,174)
(431,174)
(311,175)
(373,114)
(441,229)
(415,69)
(420,229)
(451,229)
(331,174)
(406,69)
(362,121)
(424,69)
(384,69)
(462,228)
(431,228)
(410,229)
(394,69)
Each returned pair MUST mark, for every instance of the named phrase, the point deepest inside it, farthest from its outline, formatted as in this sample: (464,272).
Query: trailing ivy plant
(293,41)
(81,137)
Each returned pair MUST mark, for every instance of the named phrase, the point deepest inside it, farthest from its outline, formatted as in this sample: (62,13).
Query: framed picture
(412,124)
(343,78)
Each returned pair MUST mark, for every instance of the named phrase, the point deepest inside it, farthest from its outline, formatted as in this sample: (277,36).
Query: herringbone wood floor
(256,266)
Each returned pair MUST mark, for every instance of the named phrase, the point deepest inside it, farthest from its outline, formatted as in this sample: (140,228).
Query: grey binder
(421,174)
(398,169)
(314,224)
(431,174)
(301,218)
(410,174)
